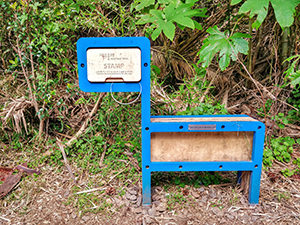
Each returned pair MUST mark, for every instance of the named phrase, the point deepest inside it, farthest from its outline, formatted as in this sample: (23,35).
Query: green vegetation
(227,46)
(175,198)
(207,58)
(165,14)
(196,179)
(284,10)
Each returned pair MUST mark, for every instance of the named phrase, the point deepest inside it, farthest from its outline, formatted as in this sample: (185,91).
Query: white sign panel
(114,64)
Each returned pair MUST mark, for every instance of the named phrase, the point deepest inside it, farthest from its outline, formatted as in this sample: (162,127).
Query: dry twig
(214,75)
(61,147)
(102,156)
(91,190)
(114,176)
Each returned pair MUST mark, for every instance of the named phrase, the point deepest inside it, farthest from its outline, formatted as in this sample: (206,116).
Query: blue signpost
(185,124)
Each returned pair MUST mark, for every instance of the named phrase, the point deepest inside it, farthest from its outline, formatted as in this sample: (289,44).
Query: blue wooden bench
(181,143)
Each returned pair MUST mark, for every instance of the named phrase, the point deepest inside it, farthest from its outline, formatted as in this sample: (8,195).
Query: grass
(175,199)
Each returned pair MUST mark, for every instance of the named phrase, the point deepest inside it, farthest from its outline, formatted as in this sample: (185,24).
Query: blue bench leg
(239,177)
(254,186)
(146,180)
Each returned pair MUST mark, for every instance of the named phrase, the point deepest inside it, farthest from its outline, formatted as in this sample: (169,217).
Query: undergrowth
(198,63)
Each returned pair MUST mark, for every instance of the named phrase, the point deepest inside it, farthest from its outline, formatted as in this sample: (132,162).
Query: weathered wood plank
(201,146)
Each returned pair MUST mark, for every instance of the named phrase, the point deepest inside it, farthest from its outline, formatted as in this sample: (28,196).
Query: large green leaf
(143,4)
(284,10)
(234,2)
(156,33)
(227,46)
(295,78)
(169,29)
(170,12)
(291,74)
(256,7)
(184,21)
(240,44)
(145,19)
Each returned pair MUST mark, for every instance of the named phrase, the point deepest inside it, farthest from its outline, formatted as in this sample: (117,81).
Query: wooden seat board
(201,146)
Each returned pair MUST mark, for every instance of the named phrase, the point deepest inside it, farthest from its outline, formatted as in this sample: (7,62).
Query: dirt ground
(50,198)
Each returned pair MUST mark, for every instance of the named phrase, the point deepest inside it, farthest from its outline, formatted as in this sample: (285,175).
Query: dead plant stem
(257,84)
(255,53)
(114,176)
(250,47)
(65,159)
(208,88)
(181,56)
(285,44)
(32,97)
(102,156)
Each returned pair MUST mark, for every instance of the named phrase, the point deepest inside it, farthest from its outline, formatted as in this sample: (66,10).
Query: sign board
(114,65)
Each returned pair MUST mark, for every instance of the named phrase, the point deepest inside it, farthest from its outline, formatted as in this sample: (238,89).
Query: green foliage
(284,10)
(292,77)
(48,51)
(293,73)
(282,196)
(281,119)
(294,115)
(165,14)
(188,93)
(115,129)
(280,149)
(174,199)
(268,157)
(197,179)
(228,47)
(288,172)
(205,109)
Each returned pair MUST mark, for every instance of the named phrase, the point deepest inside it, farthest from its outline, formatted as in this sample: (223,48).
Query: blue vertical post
(146,125)
(146,178)
(257,155)
(146,165)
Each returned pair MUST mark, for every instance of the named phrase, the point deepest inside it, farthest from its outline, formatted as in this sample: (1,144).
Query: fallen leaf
(10,182)
(4,173)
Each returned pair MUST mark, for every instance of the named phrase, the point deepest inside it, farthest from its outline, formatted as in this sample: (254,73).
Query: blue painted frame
(254,166)
(83,44)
